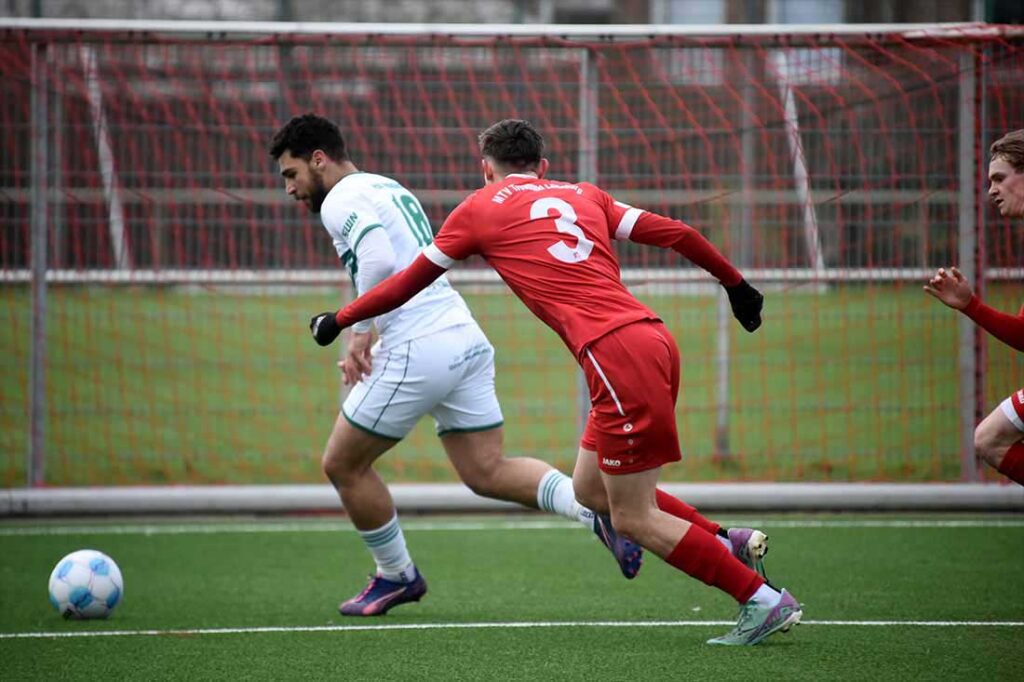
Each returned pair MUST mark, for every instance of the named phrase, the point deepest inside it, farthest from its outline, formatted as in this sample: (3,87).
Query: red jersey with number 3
(550,241)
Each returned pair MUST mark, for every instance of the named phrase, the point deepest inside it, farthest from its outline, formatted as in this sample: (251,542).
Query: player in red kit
(551,242)
(999,438)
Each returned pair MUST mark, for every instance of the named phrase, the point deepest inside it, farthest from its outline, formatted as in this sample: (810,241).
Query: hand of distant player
(357,362)
(746,302)
(950,287)
(325,328)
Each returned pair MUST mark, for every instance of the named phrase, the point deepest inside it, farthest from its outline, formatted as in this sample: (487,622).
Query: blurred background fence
(156,282)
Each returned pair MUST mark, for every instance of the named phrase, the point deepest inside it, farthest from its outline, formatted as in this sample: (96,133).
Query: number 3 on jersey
(565,222)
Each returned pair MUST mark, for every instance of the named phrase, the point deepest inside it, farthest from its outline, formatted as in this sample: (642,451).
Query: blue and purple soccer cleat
(629,554)
(758,621)
(749,546)
(382,594)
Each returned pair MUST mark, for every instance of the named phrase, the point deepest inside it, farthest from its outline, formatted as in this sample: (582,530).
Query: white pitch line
(202,528)
(495,626)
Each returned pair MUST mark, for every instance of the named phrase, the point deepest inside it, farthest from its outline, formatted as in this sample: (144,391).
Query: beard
(316,195)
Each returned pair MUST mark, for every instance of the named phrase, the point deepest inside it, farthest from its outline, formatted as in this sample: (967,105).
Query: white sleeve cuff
(629,219)
(438,257)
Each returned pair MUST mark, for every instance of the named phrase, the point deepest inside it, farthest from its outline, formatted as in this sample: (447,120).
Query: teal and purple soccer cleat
(629,554)
(381,595)
(749,546)
(758,621)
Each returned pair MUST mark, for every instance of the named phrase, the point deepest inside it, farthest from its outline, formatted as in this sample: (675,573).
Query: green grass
(162,385)
(233,579)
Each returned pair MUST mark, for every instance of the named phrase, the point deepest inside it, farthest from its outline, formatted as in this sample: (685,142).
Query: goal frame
(37,501)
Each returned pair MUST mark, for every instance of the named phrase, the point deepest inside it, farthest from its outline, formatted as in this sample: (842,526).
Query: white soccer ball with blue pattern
(86,584)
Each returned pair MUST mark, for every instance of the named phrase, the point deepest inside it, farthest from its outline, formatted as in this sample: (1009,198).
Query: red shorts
(633,376)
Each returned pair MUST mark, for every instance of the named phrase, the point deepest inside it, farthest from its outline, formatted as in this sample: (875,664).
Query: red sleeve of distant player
(1006,328)
(457,237)
(644,227)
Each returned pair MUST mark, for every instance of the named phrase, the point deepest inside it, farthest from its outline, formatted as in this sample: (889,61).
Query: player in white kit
(431,358)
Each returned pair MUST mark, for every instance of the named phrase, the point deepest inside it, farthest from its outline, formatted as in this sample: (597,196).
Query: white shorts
(448,374)
(1013,408)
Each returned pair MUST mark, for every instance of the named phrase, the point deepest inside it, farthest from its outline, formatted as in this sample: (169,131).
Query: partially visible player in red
(999,438)
(551,242)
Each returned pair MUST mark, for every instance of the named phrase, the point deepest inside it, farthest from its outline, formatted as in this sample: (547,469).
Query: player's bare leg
(696,552)
(479,461)
(348,462)
(749,545)
(997,442)
(587,482)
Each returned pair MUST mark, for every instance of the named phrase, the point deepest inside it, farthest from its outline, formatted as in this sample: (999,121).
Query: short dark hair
(1011,147)
(304,134)
(513,144)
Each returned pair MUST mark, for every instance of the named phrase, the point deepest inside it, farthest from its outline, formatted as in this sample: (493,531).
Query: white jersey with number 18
(362,202)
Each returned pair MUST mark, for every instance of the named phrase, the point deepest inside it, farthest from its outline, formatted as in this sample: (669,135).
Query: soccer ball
(86,584)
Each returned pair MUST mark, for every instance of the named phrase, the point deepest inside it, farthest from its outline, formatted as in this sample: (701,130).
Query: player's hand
(746,302)
(357,363)
(324,328)
(950,287)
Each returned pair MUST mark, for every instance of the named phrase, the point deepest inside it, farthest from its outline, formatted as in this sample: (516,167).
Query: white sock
(387,545)
(767,596)
(725,541)
(555,494)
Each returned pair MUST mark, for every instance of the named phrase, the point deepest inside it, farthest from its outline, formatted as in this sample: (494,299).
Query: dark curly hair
(513,144)
(304,134)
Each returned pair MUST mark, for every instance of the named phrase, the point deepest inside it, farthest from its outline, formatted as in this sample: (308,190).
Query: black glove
(325,328)
(746,302)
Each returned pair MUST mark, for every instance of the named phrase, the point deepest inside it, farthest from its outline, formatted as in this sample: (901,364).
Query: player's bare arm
(952,288)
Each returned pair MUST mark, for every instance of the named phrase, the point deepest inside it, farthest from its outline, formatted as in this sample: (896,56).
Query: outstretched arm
(1007,328)
(385,297)
(645,227)
(650,228)
(953,289)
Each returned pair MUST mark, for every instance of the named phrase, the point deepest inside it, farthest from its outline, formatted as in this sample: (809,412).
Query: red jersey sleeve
(457,239)
(644,227)
(391,293)
(1005,327)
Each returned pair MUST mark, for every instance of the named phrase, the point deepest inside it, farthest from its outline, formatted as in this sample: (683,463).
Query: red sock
(681,510)
(1012,465)
(702,556)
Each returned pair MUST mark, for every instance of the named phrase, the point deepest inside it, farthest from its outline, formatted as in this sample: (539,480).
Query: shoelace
(369,588)
(745,615)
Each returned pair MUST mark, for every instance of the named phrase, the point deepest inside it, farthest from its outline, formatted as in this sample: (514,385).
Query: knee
(630,524)
(587,484)
(339,469)
(482,481)
(589,495)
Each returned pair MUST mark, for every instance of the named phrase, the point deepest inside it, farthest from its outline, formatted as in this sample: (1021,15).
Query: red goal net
(837,169)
